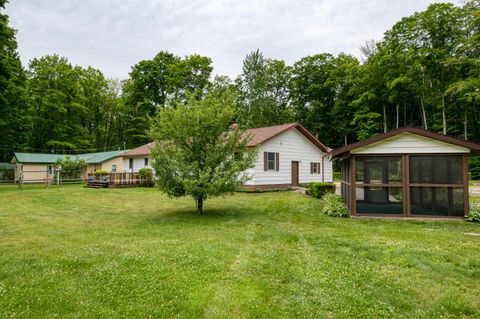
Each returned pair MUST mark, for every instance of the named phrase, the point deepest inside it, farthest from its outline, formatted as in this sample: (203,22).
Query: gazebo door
(376,172)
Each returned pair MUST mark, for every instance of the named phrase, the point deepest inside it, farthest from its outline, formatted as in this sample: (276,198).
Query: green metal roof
(100,157)
(6,166)
(38,158)
(89,158)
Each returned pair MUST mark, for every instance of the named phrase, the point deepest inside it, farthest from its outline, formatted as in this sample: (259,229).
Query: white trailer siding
(408,143)
(291,146)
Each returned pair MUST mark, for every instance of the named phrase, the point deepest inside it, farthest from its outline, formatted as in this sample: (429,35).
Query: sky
(113,35)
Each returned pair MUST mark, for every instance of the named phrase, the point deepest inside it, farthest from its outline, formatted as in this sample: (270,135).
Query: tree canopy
(424,72)
(196,154)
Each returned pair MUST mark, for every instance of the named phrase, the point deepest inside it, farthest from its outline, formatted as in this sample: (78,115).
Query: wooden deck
(111,180)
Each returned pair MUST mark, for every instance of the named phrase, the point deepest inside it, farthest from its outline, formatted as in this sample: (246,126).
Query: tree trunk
(404,112)
(345,139)
(199,206)
(424,116)
(384,118)
(107,129)
(475,136)
(398,115)
(465,126)
(444,116)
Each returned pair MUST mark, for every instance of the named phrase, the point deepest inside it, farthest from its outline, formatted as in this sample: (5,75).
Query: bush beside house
(71,168)
(474,215)
(332,205)
(318,190)
(146,176)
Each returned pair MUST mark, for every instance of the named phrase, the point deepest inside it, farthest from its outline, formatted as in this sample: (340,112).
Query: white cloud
(114,35)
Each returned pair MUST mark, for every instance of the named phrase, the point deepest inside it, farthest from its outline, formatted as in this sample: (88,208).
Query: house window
(314,167)
(114,168)
(146,161)
(270,161)
(130,163)
(50,170)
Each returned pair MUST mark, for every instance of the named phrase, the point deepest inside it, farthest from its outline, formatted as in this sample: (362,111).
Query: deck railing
(115,179)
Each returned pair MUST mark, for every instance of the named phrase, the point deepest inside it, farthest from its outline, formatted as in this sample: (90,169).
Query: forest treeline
(424,72)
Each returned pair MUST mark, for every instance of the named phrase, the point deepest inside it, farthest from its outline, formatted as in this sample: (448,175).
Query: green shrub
(318,190)
(146,175)
(332,205)
(474,167)
(262,190)
(7,174)
(474,215)
(71,168)
(337,176)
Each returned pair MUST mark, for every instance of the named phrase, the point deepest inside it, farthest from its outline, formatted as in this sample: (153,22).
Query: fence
(46,177)
(50,176)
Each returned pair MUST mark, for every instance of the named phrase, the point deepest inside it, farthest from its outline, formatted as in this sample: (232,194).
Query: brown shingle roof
(474,147)
(263,134)
(259,135)
(143,150)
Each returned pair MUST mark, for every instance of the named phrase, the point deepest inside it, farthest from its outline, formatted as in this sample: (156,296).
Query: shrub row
(262,190)
(318,190)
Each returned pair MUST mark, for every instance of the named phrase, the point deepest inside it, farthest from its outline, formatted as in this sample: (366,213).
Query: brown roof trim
(311,137)
(287,127)
(254,132)
(143,150)
(474,147)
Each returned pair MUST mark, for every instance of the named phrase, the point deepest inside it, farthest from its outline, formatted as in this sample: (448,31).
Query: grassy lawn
(73,252)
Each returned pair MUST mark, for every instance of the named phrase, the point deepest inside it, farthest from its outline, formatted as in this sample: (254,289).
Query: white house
(288,155)
(137,158)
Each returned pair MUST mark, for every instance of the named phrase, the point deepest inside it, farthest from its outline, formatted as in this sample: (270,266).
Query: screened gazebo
(406,172)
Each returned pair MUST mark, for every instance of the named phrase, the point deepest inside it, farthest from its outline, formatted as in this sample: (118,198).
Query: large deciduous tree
(14,117)
(196,154)
(72,108)
(263,88)
(160,82)
(57,104)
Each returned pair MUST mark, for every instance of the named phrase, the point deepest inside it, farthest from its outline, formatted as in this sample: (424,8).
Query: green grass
(72,252)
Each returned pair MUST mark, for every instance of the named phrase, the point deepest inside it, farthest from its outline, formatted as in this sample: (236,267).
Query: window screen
(439,169)
(314,168)
(271,161)
(379,200)
(378,170)
(441,201)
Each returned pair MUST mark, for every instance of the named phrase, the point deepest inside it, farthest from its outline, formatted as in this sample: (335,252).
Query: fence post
(20,180)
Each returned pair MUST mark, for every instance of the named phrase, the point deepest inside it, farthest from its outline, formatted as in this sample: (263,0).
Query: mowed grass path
(72,252)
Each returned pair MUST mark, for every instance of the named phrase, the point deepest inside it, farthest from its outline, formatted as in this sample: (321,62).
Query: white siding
(138,163)
(251,174)
(291,146)
(410,143)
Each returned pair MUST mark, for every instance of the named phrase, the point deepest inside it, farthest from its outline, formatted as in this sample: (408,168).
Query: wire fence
(51,177)
(46,178)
